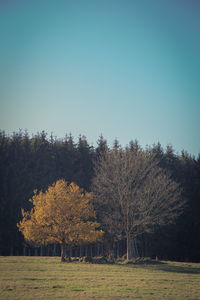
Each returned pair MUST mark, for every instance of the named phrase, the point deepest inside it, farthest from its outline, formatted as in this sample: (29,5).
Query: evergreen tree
(84,164)
(35,162)
(101,146)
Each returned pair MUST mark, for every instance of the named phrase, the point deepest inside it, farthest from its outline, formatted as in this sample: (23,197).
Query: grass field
(48,278)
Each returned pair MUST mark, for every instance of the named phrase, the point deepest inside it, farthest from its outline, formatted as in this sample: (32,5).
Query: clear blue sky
(124,68)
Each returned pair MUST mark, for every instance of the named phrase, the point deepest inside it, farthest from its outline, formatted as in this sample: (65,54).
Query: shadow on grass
(162,266)
(165,266)
(179,269)
(142,263)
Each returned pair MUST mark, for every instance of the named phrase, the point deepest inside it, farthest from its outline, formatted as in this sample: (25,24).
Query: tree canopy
(133,194)
(29,162)
(62,214)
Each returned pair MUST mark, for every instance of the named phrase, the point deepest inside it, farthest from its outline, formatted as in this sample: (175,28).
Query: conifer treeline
(28,163)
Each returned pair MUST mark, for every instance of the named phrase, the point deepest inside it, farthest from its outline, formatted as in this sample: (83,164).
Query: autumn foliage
(63,214)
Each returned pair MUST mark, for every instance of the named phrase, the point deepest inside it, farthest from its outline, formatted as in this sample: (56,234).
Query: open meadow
(48,278)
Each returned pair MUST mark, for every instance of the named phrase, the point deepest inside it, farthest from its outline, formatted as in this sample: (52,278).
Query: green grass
(48,278)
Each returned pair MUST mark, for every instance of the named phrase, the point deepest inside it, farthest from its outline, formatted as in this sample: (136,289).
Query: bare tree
(132,194)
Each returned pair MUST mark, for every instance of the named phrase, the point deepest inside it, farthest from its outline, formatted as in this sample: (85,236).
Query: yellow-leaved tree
(63,214)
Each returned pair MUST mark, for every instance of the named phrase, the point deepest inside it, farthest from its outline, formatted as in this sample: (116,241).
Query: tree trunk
(98,250)
(129,250)
(54,250)
(70,251)
(81,251)
(132,251)
(118,255)
(41,251)
(63,251)
(11,251)
(86,250)
(136,253)
(101,250)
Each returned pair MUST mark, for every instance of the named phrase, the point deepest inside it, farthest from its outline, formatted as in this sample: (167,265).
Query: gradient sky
(127,69)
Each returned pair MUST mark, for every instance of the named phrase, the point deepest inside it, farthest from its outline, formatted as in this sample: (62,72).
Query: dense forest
(35,162)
